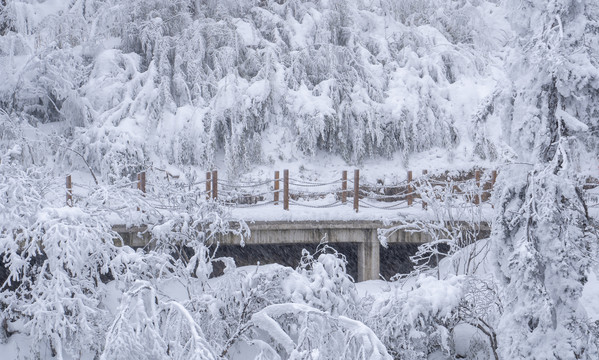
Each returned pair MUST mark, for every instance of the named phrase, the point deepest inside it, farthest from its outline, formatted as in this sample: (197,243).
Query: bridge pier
(369,257)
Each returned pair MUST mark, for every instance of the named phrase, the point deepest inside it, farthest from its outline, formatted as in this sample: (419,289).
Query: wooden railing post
(344,187)
(286,189)
(477,195)
(142,182)
(69,191)
(208,185)
(424,204)
(276,187)
(410,195)
(356,190)
(215,184)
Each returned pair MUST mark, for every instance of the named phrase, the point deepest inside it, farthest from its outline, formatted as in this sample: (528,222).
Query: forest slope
(235,84)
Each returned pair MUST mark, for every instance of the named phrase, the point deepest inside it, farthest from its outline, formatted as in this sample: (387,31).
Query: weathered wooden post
(286,189)
(69,191)
(277,188)
(344,187)
(356,190)
(477,195)
(424,204)
(208,184)
(142,182)
(410,195)
(215,184)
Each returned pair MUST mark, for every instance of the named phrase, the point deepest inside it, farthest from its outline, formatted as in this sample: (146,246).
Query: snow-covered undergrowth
(69,292)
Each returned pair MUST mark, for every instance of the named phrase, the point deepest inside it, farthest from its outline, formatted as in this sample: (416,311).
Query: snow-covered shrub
(234,298)
(418,322)
(326,285)
(481,308)
(320,282)
(188,232)
(57,260)
(146,327)
(295,331)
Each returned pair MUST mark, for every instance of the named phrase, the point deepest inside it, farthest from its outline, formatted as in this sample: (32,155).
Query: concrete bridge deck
(361,233)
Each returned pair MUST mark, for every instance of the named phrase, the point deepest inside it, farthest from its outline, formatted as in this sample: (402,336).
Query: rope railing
(303,183)
(245,185)
(458,189)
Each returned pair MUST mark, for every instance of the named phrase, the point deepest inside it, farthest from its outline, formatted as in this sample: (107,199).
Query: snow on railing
(471,188)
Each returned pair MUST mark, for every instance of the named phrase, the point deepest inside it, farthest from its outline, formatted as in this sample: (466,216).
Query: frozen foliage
(544,247)
(417,322)
(455,226)
(555,70)
(304,332)
(68,286)
(182,81)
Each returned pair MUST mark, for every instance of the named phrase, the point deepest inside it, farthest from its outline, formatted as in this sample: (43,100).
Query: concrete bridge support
(369,255)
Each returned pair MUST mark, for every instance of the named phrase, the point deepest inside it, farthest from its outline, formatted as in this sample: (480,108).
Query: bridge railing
(287,191)
(460,188)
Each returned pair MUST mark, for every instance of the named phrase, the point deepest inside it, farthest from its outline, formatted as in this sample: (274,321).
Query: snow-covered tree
(57,260)
(553,66)
(541,233)
(544,246)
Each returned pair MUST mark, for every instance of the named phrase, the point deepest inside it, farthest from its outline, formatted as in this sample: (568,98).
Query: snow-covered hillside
(241,84)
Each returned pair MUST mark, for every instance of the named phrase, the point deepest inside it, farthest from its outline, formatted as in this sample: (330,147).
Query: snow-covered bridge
(287,211)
